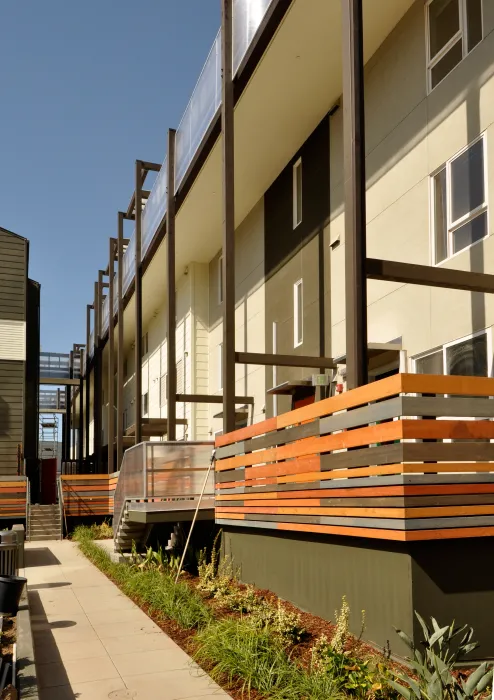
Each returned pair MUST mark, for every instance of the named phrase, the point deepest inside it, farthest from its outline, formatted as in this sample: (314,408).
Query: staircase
(44,523)
(130,531)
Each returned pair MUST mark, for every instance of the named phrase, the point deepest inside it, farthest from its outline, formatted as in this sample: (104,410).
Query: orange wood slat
(254,430)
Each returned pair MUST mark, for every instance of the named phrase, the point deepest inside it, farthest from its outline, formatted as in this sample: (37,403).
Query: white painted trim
(220,367)
(298,314)
(442,348)
(297,216)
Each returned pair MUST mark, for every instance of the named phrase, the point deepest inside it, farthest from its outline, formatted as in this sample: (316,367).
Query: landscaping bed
(253,644)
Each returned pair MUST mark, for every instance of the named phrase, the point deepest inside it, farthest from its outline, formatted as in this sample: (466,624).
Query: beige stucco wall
(409,134)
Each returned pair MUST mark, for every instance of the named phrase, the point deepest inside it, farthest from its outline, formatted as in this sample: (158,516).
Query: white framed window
(220,367)
(297,193)
(459,201)
(454,28)
(468,356)
(145,404)
(220,279)
(298,313)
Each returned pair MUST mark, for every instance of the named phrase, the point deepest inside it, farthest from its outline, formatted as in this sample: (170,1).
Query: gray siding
(11,413)
(13,276)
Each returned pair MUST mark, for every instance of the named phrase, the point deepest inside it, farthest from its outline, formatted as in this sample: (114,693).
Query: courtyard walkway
(92,643)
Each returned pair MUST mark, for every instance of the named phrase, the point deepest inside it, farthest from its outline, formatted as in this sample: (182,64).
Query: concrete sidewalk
(92,643)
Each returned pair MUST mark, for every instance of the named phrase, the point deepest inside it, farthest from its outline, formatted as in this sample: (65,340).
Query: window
(468,356)
(145,403)
(298,314)
(163,390)
(454,28)
(145,345)
(220,367)
(297,193)
(220,279)
(459,199)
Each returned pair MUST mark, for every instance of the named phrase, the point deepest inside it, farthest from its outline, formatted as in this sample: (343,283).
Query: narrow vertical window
(220,367)
(145,403)
(297,193)
(220,279)
(298,314)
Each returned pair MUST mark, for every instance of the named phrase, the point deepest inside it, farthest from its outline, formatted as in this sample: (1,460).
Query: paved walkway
(92,643)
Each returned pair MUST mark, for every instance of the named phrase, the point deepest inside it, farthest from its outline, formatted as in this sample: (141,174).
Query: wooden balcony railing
(88,494)
(409,457)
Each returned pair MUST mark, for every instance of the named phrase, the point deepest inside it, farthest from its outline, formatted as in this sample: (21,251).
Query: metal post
(120,351)
(71,409)
(354,176)
(138,304)
(97,376)
(88,377)
(81,409)
(172,310)
(227,128)
(111,361)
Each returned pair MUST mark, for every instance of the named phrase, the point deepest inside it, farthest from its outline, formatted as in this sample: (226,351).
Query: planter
(11,588)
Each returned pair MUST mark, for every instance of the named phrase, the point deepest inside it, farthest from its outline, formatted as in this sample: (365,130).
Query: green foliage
(360,678)
(242,600)
(433,669)
(285,625)
(93,532)
(216,578)
(342,621)
(238,650)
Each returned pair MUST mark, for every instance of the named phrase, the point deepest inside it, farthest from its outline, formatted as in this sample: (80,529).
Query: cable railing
(162,471)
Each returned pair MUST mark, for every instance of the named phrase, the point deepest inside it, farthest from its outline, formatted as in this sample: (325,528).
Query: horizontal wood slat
(13,498)
(401,458)
(88,494)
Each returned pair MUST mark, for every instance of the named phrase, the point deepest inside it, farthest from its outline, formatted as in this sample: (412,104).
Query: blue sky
(86,87)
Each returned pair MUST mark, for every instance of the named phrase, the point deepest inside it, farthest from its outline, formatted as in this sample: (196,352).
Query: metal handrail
(61,506)
(28,509)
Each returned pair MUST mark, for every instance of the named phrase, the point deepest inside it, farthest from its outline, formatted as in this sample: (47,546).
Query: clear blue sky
(86,87)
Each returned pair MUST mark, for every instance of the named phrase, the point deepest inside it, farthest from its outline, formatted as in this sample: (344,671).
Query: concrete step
(44,538)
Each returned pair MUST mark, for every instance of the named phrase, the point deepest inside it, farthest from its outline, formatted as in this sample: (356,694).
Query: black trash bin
(11,588)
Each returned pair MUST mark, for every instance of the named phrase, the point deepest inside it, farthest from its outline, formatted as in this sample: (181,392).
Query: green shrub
(242,600)
(238,650)
(433,669)
(93,532)
(276,619)
(360,678)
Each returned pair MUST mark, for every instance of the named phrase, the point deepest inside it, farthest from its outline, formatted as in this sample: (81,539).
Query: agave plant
(433,668)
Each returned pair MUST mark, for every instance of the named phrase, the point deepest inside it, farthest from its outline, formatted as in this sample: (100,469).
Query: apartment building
(429,134)
(429,114)
(19,358)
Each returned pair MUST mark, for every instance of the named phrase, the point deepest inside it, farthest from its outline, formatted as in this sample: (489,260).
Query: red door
(48,481)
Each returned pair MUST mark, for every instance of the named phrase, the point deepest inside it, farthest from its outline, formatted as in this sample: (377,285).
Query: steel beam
(171,291)
(120,350)
(213,398)
(259,358)
(88,378)
(138,304)
(354,179)
(111,358)
(147,166)
(408,273)
(81,412)
(227,130)
(97,374)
